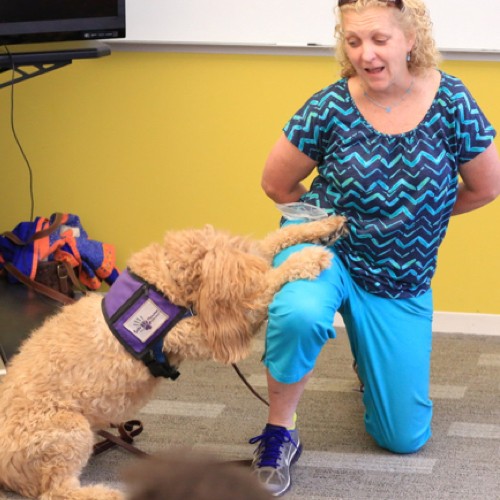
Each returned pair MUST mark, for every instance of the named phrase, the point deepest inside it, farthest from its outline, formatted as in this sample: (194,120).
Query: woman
(388,141)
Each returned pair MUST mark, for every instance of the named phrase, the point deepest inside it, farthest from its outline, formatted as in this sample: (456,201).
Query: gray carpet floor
(209,408)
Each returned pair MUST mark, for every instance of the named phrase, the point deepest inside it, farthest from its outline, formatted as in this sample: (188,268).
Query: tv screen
(33,21)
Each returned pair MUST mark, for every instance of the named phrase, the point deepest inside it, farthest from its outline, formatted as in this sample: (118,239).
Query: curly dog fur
(72,377)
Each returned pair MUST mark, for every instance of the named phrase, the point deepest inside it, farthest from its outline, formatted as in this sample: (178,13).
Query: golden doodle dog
(75,374)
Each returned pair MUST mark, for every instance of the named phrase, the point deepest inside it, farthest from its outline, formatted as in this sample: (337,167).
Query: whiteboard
(461,25)
(466,25)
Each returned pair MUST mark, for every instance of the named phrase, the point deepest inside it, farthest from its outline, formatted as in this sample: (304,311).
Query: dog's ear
(230,281)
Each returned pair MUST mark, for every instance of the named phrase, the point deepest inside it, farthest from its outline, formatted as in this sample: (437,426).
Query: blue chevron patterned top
(398,190)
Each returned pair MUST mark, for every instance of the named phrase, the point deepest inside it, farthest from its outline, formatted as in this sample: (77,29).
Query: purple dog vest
(140,316)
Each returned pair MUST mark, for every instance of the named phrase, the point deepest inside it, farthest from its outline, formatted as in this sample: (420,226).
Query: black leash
(245,381)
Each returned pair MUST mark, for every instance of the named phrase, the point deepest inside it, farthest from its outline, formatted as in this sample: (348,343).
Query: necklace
(388,109)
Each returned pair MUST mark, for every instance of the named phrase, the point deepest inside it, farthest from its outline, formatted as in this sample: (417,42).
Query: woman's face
(377,47)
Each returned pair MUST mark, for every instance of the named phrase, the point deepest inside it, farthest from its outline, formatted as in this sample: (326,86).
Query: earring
(408,57)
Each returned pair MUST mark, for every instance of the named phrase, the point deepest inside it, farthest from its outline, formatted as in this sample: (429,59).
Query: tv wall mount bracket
(28,61)
(22,74)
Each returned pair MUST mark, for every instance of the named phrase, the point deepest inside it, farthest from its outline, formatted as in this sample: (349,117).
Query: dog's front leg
(304,264)
(324,231)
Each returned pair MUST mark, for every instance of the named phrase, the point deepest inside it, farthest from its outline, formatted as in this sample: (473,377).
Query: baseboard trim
(466,323)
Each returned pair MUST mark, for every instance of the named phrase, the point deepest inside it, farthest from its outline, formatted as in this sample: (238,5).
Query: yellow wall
(137,143)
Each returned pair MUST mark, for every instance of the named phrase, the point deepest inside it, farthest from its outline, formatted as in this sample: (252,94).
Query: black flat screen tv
(36,21)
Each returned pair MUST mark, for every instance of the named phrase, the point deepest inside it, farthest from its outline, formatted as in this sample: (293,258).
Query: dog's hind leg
(64,449)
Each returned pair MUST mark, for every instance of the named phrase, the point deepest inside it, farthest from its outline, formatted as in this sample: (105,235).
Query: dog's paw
(335,227)
(305,264)
(314,260)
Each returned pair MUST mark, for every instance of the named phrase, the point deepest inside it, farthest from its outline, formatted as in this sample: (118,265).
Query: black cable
(12,126)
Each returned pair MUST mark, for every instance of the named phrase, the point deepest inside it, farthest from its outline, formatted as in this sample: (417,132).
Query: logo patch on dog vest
(146,321)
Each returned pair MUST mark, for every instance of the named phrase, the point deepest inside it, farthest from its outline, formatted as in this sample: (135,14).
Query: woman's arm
(480,181)
(285,168)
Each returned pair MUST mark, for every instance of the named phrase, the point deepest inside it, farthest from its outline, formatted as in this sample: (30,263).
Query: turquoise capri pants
(391,341)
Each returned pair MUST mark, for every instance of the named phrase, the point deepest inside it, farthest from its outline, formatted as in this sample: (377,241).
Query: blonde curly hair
(414,19)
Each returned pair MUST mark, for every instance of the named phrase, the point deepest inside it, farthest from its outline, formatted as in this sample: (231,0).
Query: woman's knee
(300,314)
(403,444)
(403,436)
